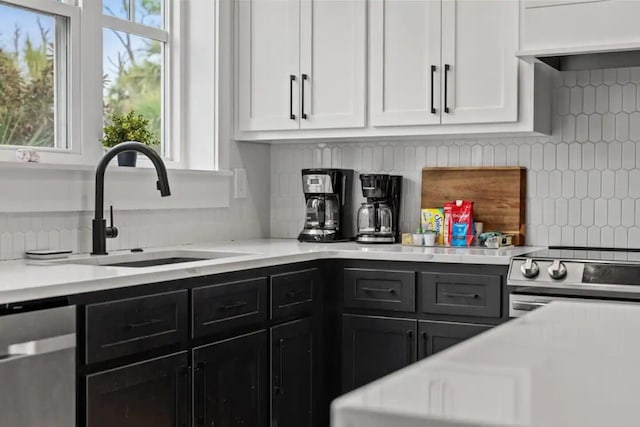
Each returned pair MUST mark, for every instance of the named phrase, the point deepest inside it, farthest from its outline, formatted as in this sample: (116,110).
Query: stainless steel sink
(151,259)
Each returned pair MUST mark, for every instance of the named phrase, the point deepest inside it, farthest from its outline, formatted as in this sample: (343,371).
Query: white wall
(583,182)
(50,209)
(71,229)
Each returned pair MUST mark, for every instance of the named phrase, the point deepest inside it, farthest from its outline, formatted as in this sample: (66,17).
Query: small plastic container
(418,239)
(429,238)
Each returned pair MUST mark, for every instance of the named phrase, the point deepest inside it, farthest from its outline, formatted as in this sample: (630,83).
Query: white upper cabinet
(404,62)
(443,62)
(267,64)
(332,64)
(361,69)
(480,69)
(577,26)
(300,64)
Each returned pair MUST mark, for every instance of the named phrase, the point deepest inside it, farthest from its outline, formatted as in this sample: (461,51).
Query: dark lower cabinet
(373,347)
(230,384)
(292,397)
(153,393)
(438,336)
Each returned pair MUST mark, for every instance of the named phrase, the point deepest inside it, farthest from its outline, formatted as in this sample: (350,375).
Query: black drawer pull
(294,293)
(459,295)
(381,290)
(233,305)
(143,324)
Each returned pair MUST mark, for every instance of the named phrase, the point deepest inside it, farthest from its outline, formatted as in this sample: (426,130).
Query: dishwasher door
(38,368)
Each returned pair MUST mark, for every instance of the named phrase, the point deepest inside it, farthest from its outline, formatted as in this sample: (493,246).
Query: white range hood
(580,34)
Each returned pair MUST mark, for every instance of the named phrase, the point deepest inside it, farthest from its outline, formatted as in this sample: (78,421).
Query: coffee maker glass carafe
(375,219)
(323,212)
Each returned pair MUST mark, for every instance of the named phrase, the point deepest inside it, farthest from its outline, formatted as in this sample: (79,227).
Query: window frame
(66,85)
(84,92)
(171,156)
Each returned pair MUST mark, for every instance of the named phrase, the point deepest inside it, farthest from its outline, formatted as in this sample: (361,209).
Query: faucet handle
(112,230)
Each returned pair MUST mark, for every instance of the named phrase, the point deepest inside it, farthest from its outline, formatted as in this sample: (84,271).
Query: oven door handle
(528,305)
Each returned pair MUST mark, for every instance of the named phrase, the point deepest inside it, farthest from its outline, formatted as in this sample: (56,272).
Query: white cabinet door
(267,64)
(332,63)
(479,42)
(404,46)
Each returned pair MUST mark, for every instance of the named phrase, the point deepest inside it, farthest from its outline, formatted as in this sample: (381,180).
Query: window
(67,65)
(134,59)
(34,89)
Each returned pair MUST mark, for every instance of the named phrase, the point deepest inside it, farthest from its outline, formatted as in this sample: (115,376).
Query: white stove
(570,273)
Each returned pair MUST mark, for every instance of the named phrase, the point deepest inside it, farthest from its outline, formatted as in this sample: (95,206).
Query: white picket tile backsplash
(582,181)
(144,228)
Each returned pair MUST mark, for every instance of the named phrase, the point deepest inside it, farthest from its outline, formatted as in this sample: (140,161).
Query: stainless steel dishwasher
(38,368)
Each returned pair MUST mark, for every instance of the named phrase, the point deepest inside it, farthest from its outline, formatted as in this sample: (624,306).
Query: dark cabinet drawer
(292,293)
(228,306)
(124,327)
(461,294)
(380,289)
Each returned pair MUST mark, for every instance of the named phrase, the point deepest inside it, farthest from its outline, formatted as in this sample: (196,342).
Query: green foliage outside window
(27,76)
(27,111)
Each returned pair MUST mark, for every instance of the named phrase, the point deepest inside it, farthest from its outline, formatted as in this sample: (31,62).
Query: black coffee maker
(329,212)
(379,216)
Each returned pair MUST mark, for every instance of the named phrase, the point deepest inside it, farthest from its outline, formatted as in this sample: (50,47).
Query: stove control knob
(530,269)
(557,270)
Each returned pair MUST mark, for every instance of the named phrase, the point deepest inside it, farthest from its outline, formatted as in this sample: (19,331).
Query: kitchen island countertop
(567,364)
(25,280)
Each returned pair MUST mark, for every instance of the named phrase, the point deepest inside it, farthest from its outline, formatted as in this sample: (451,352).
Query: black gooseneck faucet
(100,230)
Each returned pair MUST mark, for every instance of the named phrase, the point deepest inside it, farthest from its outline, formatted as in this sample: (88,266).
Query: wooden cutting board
(499,194)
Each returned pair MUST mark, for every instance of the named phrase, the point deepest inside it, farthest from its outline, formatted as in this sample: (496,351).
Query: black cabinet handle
(382,290)
(447,67)
(278,388)
(182,397)
(200,398)
(143,324)
(233,305)
(304,78)
(293,293)
(425,343)
(292,79)
(410,347)
(433,71)
(459,295)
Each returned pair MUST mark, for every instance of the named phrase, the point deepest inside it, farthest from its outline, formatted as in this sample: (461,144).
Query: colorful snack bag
(448,207)
(432,219)
(461,223)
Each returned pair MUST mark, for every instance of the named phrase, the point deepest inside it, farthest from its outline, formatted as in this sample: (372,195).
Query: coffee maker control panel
(319,184)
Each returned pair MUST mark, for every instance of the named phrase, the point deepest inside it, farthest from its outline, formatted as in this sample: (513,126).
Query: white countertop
(25,280)
(568,364)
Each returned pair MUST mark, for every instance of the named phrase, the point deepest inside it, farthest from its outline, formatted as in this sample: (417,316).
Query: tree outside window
(133,65)
(27,78)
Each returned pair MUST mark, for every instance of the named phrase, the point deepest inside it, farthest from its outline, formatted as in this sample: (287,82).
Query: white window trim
(72,95)
(84,88)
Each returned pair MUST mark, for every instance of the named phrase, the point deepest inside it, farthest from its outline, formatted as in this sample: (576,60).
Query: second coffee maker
(379,216)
